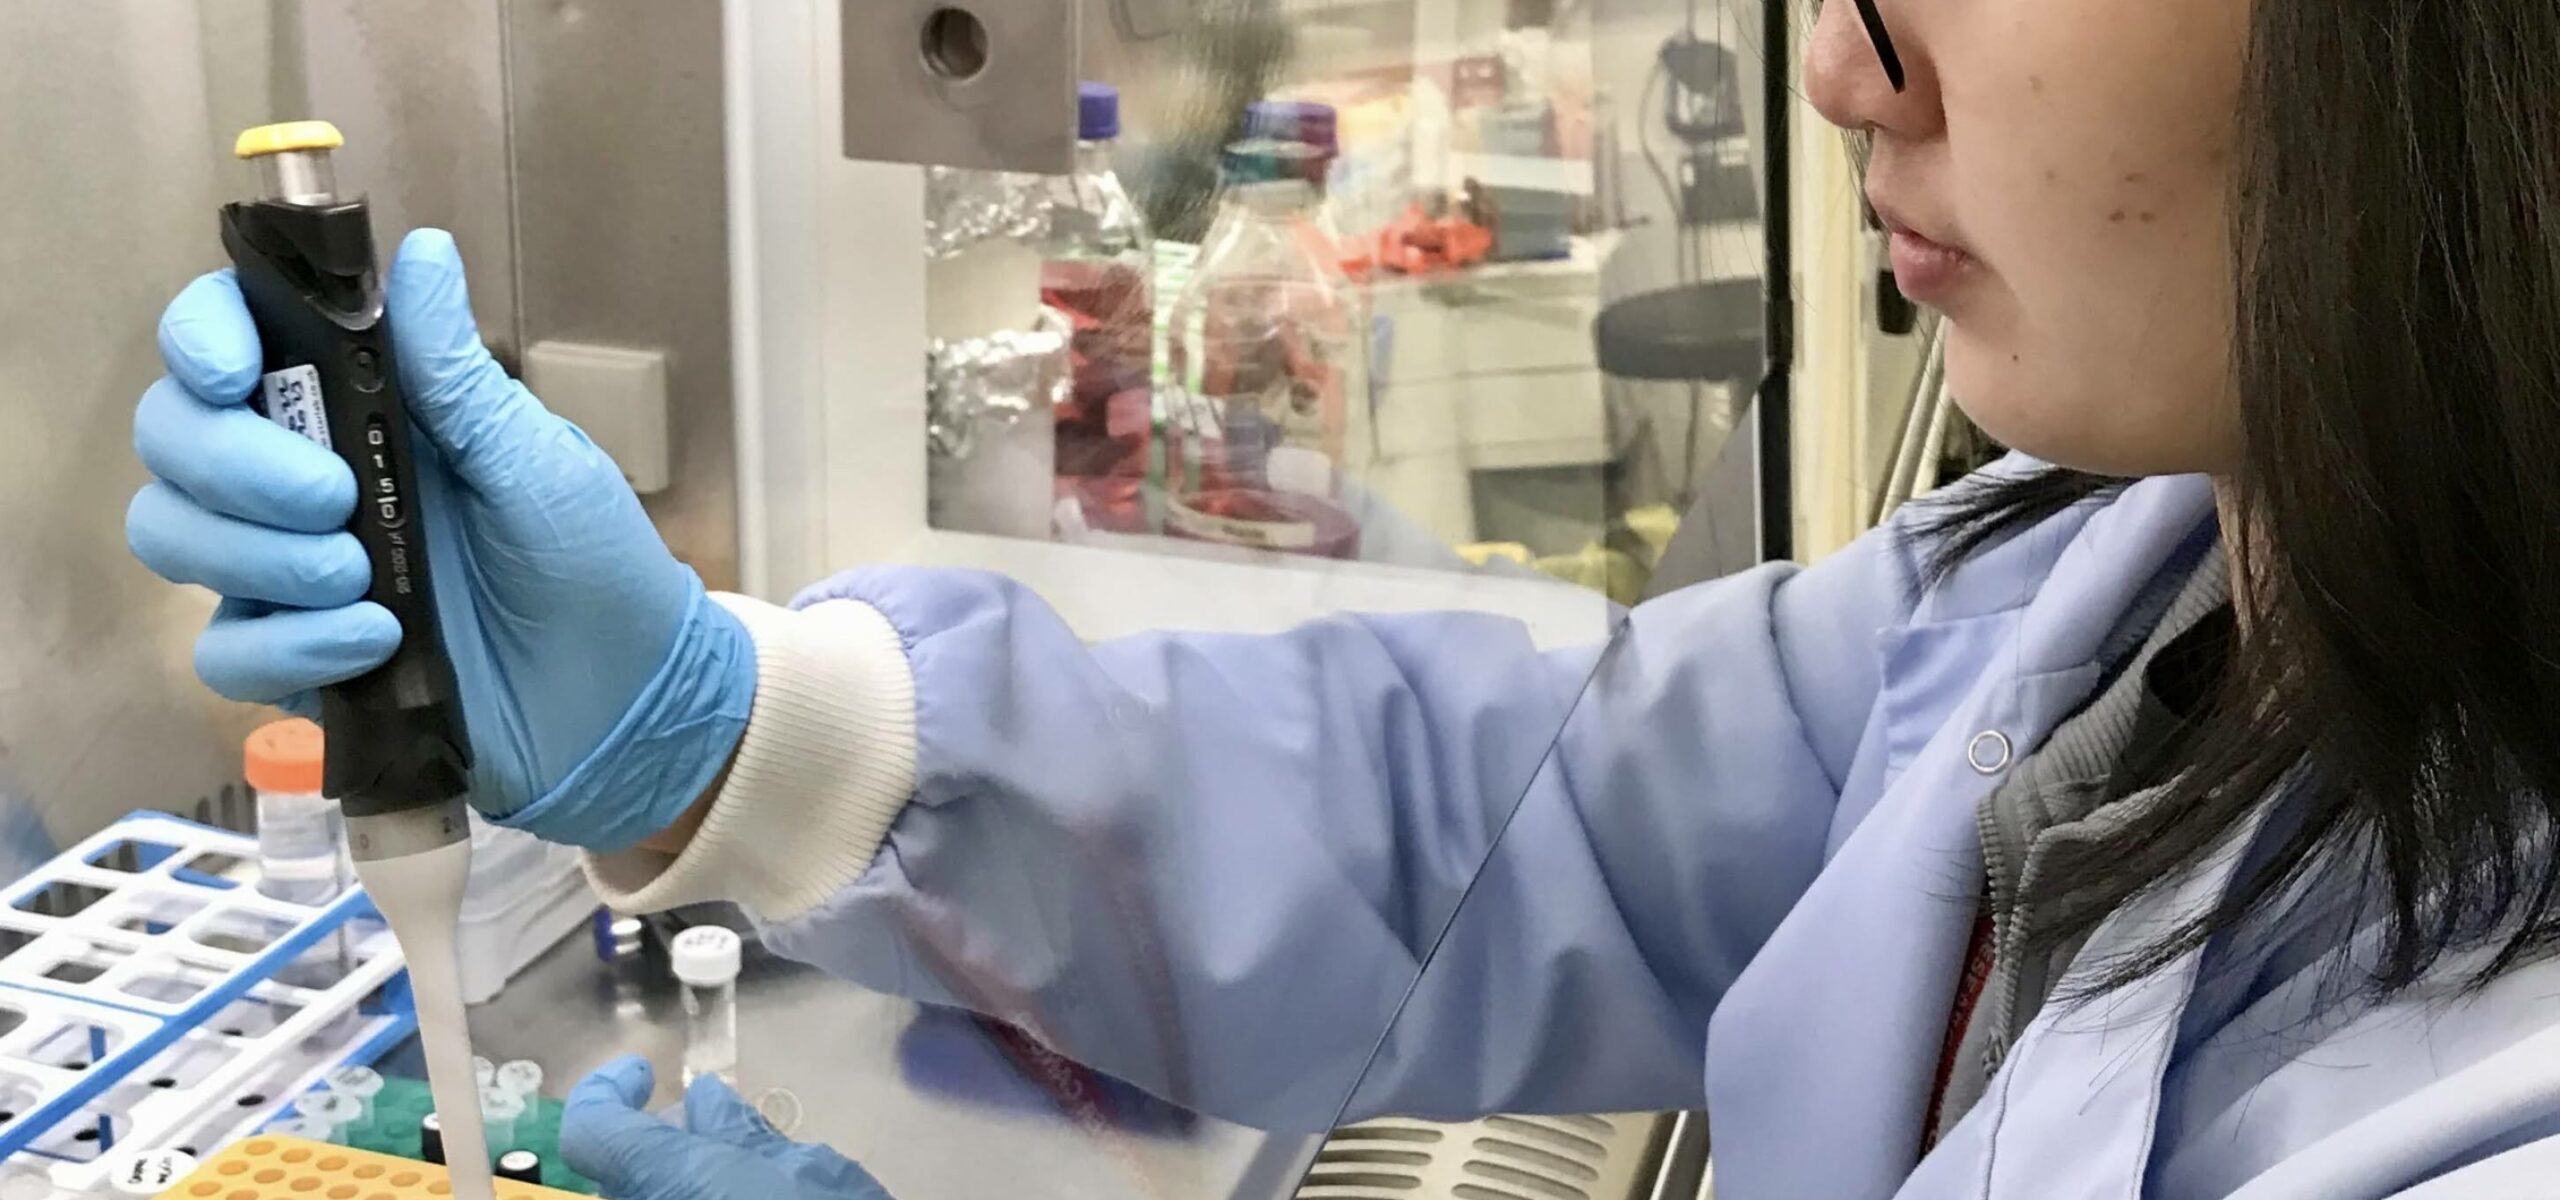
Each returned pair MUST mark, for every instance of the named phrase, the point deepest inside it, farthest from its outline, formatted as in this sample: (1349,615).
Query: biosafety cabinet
(1531,307)
(1530,362)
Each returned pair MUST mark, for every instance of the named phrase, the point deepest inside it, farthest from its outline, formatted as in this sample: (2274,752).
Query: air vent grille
(1498,1158)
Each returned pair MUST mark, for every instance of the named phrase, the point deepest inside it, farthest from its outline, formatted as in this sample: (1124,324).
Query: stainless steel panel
(116,120)
(621,232)
(844,1057)
(574,149)
(909,98)
(1144,20)
(419,88)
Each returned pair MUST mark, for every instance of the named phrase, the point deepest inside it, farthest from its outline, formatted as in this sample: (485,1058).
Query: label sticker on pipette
(291,398)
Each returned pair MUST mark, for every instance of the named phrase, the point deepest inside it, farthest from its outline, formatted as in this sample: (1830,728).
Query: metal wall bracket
(988,84)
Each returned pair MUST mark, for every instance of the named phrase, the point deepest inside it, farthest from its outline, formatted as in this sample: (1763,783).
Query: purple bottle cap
(1302,121)
(1270,120)
(1318,126)
(1097,112)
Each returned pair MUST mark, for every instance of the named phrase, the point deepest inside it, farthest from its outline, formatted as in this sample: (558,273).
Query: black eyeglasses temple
(1874,21)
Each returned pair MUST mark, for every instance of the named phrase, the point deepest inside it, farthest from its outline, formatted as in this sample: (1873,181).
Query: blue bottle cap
(1097,112)
(1265,160)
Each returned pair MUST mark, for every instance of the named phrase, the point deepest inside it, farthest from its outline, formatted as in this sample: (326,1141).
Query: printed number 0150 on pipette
(398,760)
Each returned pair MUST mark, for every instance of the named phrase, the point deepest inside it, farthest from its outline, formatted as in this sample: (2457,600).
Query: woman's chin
(2072,421)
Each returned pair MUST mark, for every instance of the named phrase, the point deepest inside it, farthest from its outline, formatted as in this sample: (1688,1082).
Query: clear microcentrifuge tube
(521,1076)
(706,959)
(500,1110)
(362,1083)
(483,1072)
(339,1111)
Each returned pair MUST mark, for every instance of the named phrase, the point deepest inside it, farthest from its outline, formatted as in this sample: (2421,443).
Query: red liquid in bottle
(1268,388)
(1106,423)
(1266,519)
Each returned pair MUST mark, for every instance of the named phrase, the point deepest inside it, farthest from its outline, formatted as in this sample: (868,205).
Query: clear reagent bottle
(1266,350)
(1097,267)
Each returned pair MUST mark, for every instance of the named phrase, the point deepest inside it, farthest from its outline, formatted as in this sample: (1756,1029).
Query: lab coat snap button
(1990,752)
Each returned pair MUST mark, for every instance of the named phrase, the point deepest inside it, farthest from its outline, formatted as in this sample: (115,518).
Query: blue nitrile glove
(603,690)
(725,1151)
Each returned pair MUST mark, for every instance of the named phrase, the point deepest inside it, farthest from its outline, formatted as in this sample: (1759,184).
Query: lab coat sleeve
(1211,864)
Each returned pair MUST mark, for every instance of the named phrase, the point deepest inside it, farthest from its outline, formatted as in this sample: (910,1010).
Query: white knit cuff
(827,763)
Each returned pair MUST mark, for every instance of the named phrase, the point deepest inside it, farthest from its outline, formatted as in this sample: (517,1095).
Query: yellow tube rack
(283,1168)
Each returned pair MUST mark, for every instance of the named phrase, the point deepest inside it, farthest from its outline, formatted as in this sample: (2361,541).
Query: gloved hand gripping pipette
(398,758)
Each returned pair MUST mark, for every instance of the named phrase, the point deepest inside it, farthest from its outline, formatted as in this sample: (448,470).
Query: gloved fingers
(260,654)
(234,461)
(208,342)
(183,542)
(820,1171)
(606,1135)
(461,399)
(713,1110)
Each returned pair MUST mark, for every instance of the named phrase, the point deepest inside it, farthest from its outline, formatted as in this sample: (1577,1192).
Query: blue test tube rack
(152,997)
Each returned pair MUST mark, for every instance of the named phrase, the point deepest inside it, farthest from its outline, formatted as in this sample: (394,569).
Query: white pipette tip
(420,895)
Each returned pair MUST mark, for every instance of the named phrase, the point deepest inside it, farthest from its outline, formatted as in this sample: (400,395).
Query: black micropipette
(397,761)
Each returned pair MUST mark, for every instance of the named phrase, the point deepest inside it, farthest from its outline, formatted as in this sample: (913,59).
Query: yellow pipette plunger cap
(293,160)
(287,136)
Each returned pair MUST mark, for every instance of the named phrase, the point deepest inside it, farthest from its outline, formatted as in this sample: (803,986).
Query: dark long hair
(2395,523)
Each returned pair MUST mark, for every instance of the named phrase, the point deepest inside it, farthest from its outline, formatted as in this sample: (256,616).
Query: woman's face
(2057,176)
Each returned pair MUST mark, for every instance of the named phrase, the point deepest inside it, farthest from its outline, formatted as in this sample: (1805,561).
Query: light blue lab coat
(1744,880)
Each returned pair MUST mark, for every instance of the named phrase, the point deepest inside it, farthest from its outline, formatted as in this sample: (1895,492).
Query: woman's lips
(1927,271)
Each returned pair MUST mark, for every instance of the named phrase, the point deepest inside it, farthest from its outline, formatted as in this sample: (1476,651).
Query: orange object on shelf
(1418,243)
(283,1168)
(285,757)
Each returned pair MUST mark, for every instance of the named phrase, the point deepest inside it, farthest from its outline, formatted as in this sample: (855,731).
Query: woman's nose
(1845,78)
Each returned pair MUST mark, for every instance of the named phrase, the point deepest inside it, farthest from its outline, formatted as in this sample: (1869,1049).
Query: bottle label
(291,398)
(1236,531)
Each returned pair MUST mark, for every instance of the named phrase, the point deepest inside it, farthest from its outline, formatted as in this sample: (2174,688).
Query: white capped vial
(363,1084)
(500,1110)
(483,1072)
(522,1077)
(706,962)
(522,1166)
